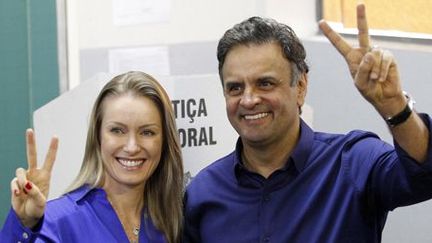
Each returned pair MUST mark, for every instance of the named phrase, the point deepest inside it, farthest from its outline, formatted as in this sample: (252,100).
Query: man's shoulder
(350,137)
(354,145)
(221,164)
(221,168)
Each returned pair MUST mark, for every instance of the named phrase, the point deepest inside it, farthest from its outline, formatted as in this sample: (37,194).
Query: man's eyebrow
(232,82)
(267,78)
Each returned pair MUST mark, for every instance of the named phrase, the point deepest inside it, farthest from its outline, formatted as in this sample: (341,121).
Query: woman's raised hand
(30,187)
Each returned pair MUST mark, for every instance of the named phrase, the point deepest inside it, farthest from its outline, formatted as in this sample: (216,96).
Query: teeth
(130,163)
(257,116)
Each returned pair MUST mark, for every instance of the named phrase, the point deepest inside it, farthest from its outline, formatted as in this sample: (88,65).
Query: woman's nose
(131,145)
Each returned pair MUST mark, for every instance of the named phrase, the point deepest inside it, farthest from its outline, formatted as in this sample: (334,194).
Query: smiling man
(287,183)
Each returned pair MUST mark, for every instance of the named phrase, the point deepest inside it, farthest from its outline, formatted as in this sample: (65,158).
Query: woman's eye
(116,130)
(148,133)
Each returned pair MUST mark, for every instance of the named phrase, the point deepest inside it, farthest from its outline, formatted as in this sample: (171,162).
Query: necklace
(135,230)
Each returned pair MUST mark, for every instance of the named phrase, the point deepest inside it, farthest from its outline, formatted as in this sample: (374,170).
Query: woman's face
(131,137)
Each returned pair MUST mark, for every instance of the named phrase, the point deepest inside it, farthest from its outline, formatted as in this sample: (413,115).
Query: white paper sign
(132,12)
(154,60)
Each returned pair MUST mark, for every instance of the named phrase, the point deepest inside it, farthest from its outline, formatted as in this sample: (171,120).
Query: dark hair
(257,30)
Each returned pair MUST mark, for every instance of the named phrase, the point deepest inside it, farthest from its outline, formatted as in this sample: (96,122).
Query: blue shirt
(84,215)
(334,188)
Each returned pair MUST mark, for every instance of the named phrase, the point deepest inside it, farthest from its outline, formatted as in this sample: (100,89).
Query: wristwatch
(402,116)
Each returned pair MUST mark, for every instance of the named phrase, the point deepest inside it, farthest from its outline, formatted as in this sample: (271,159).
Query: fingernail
(28,186)
(373,76)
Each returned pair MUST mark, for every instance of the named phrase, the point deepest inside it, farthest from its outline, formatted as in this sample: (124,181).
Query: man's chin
(253,138)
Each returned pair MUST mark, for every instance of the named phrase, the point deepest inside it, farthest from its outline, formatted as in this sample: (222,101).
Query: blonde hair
(164,189)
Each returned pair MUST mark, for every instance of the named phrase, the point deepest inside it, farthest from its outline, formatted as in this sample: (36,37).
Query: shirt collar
(303,149)
(299,155)
(80,193)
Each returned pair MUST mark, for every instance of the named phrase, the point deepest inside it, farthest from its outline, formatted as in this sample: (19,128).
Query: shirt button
(25,235)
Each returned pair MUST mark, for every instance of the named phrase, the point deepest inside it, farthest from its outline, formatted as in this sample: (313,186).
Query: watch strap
(401,117)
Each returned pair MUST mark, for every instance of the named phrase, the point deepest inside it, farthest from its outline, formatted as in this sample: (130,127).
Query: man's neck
(266,159)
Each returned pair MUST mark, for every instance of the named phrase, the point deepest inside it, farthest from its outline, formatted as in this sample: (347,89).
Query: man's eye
(234,89)
(265,83)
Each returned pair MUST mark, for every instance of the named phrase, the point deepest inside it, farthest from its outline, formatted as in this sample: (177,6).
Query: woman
(129,188)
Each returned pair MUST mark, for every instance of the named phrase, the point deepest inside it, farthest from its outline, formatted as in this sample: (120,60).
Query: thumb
(34,195)
(27,202)
(15,193)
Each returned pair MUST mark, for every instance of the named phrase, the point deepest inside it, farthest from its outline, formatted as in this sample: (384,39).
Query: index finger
(362,26)
(337,41)
(31,149)
(51,155)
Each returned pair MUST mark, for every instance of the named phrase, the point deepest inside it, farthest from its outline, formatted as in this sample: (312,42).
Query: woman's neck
(127,201)
(128,204)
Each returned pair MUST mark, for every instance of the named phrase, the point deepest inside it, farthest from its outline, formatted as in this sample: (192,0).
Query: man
(287,183)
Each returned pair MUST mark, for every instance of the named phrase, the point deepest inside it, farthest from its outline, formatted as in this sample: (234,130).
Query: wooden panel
(402,15)
(332,10)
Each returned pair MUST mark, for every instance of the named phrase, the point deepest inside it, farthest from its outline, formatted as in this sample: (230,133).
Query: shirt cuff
(413,167)
(14,231)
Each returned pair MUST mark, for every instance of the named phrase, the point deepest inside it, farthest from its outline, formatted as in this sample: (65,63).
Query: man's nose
(250,98)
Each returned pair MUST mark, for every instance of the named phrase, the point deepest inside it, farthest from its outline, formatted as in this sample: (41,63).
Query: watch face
(410,100)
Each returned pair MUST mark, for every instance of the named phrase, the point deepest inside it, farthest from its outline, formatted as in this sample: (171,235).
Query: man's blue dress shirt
(334,188)
(84,215)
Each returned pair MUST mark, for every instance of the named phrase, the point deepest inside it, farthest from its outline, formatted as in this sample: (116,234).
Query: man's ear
(302,89)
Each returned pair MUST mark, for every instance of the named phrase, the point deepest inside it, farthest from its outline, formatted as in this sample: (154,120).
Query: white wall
(90,24)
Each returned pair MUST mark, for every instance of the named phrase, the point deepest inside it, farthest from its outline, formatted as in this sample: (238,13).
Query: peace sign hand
(374,70)
(30,187)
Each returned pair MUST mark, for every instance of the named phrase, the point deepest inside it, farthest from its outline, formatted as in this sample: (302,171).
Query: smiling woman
(131,140)
(129,188)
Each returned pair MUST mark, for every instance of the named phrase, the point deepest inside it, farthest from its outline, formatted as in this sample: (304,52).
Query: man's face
(261,104)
